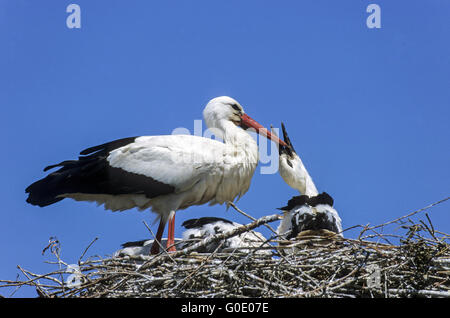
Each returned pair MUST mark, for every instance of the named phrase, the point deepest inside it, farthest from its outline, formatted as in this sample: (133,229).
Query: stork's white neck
(240,161)
(310,187)
(244,144)
(235,135)
(297,176)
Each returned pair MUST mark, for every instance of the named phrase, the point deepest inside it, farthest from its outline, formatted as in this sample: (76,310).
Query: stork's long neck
(310,187)
(241,141)
(241,159)
(306,184)
(235,135)
(297,177)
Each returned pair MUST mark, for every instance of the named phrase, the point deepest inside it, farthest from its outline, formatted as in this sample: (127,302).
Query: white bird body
(164,173)
(215,176)
(310,211)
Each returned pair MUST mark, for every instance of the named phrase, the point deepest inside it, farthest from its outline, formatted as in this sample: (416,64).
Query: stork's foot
(156,248)
(171,246)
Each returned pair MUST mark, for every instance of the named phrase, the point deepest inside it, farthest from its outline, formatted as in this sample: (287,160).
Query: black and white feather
(94,177)
(310,211)
(304,213)
(143,247)
(201,228)
(197,230)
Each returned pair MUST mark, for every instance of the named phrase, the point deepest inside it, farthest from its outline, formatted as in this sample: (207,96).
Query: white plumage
(201,170)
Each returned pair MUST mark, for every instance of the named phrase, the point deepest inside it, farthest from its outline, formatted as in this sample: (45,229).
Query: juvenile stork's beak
(248,122)
(289,149)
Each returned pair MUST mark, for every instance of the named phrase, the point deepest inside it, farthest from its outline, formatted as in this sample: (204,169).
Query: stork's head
(292,170)
(223,110)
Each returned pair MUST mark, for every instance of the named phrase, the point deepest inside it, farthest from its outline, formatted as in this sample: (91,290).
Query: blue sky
(368,110)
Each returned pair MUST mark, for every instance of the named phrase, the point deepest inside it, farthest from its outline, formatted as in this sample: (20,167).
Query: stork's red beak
(248,122)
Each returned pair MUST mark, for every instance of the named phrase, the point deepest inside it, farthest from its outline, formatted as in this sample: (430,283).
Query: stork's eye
(235,107)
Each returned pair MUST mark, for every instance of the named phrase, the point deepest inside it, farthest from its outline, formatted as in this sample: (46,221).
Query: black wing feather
(295,201)
(109,146)
(323,198)
(92,174)
(198,223)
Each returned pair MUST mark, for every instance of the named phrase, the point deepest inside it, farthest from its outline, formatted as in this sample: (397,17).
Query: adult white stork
(164,173)
(310,211)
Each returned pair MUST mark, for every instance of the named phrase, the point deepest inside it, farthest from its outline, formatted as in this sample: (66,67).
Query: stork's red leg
(171,235)
(159,234)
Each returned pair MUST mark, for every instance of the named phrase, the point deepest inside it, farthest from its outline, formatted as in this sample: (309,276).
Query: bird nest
(312,265)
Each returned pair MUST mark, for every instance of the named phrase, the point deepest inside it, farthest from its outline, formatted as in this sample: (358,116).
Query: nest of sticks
(370,265)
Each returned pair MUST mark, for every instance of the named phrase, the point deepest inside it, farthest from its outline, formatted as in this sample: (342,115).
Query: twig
(86,249)
(250,217)
(410,214)
(158,242)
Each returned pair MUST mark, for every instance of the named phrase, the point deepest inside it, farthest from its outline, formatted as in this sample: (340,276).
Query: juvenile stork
(202,228)
(311,211)
(164,173)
